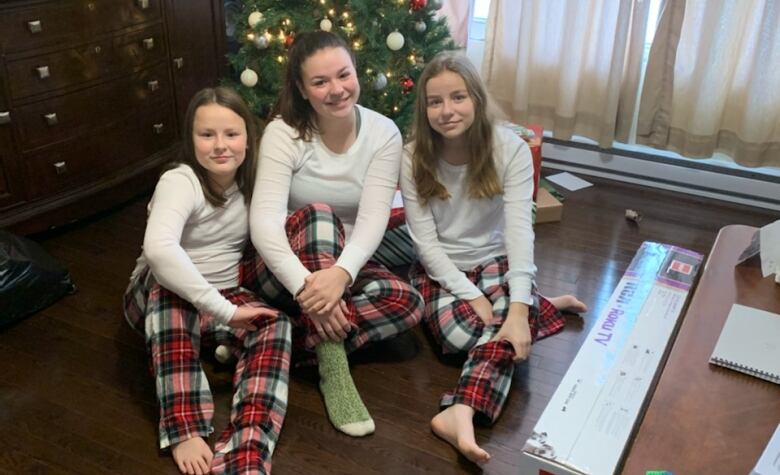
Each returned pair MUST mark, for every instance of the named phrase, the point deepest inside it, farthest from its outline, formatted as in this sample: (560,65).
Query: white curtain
(457,14)
(713,81)
(572,66)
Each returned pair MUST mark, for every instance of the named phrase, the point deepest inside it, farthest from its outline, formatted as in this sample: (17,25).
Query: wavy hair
(291,106)
(482,177)
(245,175)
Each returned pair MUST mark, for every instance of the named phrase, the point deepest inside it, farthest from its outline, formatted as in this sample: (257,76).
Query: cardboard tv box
(586,427)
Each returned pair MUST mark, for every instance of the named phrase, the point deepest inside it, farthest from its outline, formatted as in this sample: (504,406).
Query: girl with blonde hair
(467,183)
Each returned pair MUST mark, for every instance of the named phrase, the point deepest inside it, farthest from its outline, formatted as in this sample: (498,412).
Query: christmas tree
(391,40)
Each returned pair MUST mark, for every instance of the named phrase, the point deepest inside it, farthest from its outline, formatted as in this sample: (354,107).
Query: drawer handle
(179,62)
(60,168)
(158,128)
(51,119)
(35,26)
(91,6)
(148,43)
(98,49)
(153,85)
(43,72)
(142,4)
(5,118)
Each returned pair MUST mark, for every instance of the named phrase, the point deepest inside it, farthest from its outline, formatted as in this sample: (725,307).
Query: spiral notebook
(750,343)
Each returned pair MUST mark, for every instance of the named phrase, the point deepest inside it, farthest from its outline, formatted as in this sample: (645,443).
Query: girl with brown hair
(328,172)
(188,292)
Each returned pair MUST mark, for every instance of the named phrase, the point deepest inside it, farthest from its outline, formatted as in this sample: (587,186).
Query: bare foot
(455,425)
(193,456)
(568,303)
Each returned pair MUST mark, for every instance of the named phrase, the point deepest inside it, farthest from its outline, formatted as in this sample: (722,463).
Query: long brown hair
(291,106)
(482,177)
(245,175)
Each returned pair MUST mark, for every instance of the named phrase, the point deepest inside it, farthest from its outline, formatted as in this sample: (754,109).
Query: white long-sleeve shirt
(455,235)
(358,184)
(191,247)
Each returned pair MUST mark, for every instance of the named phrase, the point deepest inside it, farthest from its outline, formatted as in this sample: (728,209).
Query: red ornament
(289,39)
(407,84)
(417,5)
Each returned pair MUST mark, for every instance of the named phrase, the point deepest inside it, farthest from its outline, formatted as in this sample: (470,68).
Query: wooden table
(703,419)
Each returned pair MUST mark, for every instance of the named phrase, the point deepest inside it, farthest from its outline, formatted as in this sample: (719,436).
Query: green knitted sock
(342,401)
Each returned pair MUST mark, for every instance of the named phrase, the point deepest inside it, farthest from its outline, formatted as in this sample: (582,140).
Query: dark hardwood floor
(76,395)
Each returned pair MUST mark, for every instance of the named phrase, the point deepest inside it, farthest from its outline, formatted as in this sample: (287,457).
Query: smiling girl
(467,184)
(328,172)
(186,293)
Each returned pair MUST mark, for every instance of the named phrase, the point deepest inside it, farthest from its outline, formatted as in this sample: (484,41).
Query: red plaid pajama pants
(175,332)
(487,374)
(380,304)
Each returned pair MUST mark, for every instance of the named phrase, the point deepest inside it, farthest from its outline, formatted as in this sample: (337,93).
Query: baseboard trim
(742,188)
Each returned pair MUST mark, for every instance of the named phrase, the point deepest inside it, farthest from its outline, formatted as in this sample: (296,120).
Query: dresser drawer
(88,62)
(68,21)
(81,161)
(62,117)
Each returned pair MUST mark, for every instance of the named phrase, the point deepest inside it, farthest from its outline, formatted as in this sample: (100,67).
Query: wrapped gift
(532,134)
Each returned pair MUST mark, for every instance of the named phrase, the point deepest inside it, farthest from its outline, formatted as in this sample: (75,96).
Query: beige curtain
(572,66)
(713,81)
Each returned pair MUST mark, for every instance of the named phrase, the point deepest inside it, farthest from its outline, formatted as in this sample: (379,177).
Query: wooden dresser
(92,94)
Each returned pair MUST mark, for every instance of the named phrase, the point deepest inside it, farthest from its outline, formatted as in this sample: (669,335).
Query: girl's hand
(322,290)
(246,314)
(483,308)
(516,330)
(332,325)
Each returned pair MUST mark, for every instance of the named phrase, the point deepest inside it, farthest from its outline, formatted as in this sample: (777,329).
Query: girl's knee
(456,339)
(315,210)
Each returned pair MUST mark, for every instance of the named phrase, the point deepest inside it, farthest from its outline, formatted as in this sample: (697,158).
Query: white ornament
(395,41)
(326,25)
(222,354)
(249,78)
(380,82)
(420,26)
(255,18)
(261,41)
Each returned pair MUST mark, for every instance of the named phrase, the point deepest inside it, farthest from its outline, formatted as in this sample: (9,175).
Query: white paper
(769,463)
(770,249)
(568,181)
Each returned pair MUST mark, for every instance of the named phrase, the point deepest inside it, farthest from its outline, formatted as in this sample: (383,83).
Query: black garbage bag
(30,279)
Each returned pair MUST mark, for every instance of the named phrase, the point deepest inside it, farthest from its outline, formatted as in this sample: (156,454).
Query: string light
(331,12)
(250,36)
(369,71)
(280,58)
(389,74)
(356,45)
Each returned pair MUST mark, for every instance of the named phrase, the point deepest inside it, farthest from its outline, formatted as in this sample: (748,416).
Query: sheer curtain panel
(572,66)
(713,80)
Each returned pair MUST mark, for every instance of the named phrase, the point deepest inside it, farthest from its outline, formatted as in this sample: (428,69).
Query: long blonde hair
(482,177)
